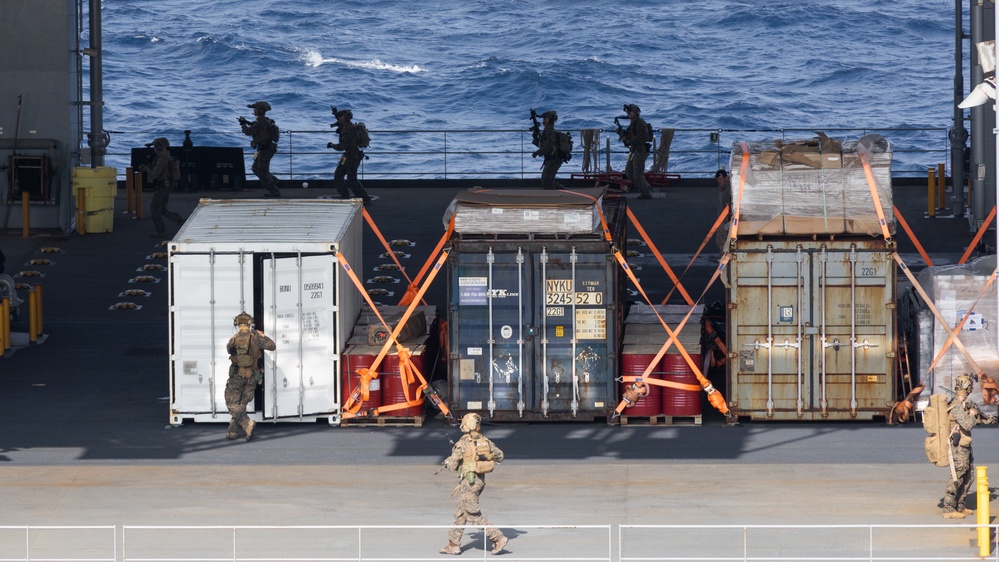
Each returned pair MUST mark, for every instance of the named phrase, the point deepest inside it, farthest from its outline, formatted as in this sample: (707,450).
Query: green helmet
(242,319)
(963,383)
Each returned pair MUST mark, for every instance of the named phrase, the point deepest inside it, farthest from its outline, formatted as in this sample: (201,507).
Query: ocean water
(482,64)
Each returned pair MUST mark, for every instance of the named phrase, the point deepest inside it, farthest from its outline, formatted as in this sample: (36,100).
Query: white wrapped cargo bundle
(816,186)
(955,289)
(519,211)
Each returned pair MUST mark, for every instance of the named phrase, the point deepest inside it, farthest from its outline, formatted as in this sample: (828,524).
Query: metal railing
(506,153)
(537,543)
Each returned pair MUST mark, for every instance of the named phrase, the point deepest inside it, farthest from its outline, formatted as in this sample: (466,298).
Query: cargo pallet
(660,419)
(384,421)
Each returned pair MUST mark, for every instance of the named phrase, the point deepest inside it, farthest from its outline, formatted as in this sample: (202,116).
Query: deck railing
(506,153)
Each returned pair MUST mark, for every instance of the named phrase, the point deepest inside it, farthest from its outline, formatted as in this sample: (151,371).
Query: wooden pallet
(681,420)
(639,420)
(384,421)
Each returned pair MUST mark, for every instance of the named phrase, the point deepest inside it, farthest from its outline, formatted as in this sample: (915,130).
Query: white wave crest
(314,59)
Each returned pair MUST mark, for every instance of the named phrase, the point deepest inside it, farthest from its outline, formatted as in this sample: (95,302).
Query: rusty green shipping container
(811,329)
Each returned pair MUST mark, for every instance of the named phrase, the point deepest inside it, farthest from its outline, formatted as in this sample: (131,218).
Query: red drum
(633,363)
(677,402)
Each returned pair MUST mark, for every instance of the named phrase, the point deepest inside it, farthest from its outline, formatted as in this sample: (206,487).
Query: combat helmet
(551,116)
(963,383)
(630,107)
(471,422)
(345,112)
(263,106)
(242,319)
(161,142)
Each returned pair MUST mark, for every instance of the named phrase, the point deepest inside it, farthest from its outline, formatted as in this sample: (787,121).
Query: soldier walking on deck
(472,457)
(637,138)
(964,415)
(548,147)
(162,175)
(245,347)
(350,141)
(264,135)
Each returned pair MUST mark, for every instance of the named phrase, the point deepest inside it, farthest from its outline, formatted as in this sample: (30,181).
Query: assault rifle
(443,466)
(535,129)
(622,133)
(336,122)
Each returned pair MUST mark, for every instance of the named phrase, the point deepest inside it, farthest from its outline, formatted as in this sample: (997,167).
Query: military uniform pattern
(160,176)
(469,488)
(964,463)
(637,136)
(261,141)
(549,149)
(349,162)
(242,382)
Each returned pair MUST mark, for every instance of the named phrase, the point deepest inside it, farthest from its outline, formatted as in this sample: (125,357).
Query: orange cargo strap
(936,312)
(978,236)
(873,185)
(662,262)
(912,236)
(388,249)
(711,233)
(950,338)
(412,289)
(733,232)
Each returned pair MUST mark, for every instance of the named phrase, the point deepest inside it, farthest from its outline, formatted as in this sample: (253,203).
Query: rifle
(336,124)
(622,133)
(443,466)
(535,129)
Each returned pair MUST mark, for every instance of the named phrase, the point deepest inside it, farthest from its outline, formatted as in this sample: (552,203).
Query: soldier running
(245,348)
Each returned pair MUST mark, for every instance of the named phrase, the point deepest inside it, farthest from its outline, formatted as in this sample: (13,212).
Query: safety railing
(536,543)
(762,543)
(506,153)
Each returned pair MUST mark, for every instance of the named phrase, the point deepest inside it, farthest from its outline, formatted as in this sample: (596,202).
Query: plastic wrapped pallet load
(955,289)
(515,211)
(815,186)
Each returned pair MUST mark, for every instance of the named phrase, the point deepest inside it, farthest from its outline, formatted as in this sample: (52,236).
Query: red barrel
(633,364)
(394,390)
(351,363)
(677,402)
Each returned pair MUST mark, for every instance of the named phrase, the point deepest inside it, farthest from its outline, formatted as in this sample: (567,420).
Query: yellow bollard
(32,321)
(81,213)
(941,187)
(982,513)
(931,183)
(4,325)
(137,186)
(38,309)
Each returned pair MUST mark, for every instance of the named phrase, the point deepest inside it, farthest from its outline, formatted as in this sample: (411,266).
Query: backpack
(363,138)
(242,355)
(936,422)
(564,146)
(175,169)
(273,131)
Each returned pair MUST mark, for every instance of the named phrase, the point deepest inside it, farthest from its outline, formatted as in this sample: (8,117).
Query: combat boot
(964,510)
(451,548)
(499,544)
(953,515)
(250,424)
(230,435)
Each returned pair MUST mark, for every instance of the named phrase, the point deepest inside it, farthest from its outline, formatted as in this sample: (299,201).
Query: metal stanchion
(931,183)
(4,325)
(32,319)
(137,187)
(941,187)
(25,215)
(39,324)
(129,181)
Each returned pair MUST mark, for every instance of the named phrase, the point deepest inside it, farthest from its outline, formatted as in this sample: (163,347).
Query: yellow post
(941,187)
(38,309)
(4,324)
(129,181)
(982,513)
(137,186)
(32,320)
(931,183)
(25,215)
(81,214)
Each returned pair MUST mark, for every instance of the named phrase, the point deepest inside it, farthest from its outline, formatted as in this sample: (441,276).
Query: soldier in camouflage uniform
(259,132)
(964,415)
(245,348)
(349,142)
(637,139)
(159,174)
(472,457)
(547,144)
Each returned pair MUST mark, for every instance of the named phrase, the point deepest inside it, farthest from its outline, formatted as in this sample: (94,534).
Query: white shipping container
(277,261)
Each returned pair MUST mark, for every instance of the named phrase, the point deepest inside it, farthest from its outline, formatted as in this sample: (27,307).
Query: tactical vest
(478,457)
(243,356)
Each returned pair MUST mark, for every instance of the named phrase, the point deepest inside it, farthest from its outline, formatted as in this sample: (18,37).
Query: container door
(491,318)
(207,292)
(299,315)
(573,366)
